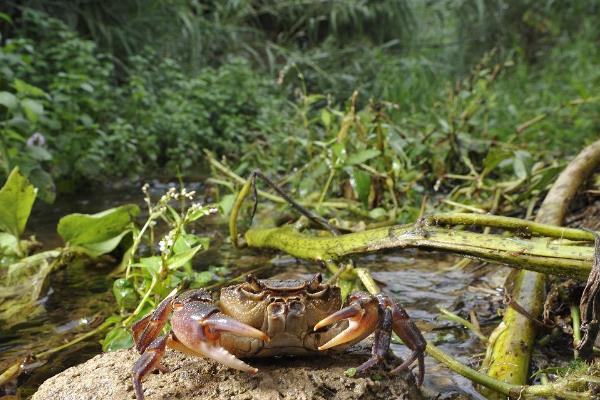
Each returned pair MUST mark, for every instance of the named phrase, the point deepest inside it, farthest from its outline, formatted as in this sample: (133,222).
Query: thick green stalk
(536,254)
(510,353)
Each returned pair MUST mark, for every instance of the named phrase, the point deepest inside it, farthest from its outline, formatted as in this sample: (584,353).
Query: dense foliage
(94,92)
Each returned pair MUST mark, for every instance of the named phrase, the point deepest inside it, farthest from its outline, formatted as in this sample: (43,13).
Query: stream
(78,298)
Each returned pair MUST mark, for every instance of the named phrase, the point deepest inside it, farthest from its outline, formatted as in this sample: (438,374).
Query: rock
(108,376)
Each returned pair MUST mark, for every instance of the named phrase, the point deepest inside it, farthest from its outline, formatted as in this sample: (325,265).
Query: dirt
(108,376)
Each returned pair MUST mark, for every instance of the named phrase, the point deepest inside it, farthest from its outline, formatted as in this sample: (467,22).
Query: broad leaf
(124,293)
(361,183)
(362,156)
(100,233)
(16,199)
(116,339)
(9,245)
(181,259)
(33,109)
(226,204)
(26,89)
(8,100)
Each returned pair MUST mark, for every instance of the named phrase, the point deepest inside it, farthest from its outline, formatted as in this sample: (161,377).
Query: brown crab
(267,317)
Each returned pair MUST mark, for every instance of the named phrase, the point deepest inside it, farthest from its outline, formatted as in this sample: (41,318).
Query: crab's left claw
(380,314)
(362,315)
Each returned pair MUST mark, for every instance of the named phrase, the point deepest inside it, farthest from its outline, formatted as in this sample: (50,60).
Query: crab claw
(220,323)
(362,315)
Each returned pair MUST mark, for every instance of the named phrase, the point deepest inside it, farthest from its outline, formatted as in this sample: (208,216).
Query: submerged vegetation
(370,113)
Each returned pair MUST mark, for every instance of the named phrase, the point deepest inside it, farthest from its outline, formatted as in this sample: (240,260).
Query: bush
(94,128)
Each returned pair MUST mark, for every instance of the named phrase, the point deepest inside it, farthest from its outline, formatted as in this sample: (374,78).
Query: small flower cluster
(166,243)
(173,194)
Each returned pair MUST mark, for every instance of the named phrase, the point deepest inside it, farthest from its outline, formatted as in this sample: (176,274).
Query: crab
(270,317)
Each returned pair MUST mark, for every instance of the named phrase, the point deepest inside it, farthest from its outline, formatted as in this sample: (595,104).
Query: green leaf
(8,100)
(362,156)
(201,279)
(124,293)
(33,109)
(187,241)
(99,233)
(150,264)
(378,213)
(361,183)
(116,339)
(339,154)
(99,248)
(326,118)
(493,158)
(346,287)
(313,98)
(9,244)
(522,164)
(16,199)
(26,89)
(226,204)
(39,153)
(44,183)
(181,259)
(6,18)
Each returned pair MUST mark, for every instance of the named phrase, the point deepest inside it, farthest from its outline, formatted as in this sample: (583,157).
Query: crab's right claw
(362,315)
(221,323)
(201,337)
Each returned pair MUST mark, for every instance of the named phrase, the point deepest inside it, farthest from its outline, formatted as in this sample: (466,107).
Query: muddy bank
(108,376)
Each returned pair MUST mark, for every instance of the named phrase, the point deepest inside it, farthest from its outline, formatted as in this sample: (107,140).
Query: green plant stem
(455,318)
(136,243)
(326,187)
(102,327)
(519,224)
(536,254)
(140,306)
(277,199)
(576,318)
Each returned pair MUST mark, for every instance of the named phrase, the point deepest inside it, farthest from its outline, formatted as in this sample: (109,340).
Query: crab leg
(381,344)
(148,328)
(412,338)
(148,362)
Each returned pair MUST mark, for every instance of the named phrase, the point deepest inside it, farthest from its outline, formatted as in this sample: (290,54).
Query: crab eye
(253,284)
(315,287)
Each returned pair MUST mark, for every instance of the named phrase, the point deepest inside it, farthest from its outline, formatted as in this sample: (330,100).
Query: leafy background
(93,91)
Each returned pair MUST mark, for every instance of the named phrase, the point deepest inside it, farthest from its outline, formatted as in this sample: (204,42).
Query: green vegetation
(24,269)
(131,87)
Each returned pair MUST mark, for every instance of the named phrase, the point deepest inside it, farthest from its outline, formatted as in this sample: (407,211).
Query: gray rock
(108,376)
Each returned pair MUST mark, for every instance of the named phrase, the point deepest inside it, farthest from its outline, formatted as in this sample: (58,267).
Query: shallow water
(78,298)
